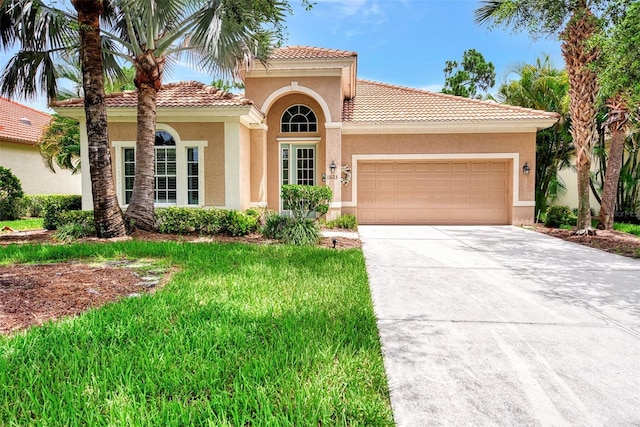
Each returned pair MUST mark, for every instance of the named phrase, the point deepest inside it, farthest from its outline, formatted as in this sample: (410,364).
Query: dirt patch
(607,240)
(34,294)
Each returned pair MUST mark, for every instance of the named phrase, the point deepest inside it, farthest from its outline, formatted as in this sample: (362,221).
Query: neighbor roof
(19,123)
(306,52)
(172,95)
(384,103)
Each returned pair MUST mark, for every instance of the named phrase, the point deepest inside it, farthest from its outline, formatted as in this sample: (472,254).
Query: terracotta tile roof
(20,123)
(172,95)
(384,103)
(306,52)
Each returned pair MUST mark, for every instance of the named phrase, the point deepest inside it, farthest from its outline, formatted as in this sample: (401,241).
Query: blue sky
(404,42)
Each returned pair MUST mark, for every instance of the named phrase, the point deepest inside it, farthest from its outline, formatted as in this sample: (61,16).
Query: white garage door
(434,192)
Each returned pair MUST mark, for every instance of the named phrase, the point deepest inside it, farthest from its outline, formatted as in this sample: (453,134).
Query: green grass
(242,335)
(23,224)
(627,228)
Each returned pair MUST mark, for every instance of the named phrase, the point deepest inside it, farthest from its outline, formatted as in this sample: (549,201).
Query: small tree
(467,77)
(305,201)
(10,195)
(60,144)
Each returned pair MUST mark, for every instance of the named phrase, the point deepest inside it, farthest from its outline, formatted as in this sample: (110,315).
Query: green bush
(301,232)
(275,224)
(306,201)
(55,205)
(34,205)
(347,222)
(73,225)
(204,221)
(558,216)
(176,220)
(10,195)
(240,224)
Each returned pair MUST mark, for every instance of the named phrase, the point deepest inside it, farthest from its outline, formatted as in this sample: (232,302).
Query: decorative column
(333,153)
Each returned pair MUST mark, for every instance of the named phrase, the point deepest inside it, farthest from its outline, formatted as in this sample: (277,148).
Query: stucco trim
(333,125)
(522,126)
(515,157)
(294,87)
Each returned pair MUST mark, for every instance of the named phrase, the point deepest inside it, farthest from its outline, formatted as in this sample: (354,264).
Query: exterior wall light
(333,167)
(526,169)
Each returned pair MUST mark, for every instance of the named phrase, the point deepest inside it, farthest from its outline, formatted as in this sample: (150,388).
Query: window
(299,118)
(178,170)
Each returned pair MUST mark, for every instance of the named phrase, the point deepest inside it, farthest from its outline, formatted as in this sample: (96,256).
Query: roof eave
(436,127)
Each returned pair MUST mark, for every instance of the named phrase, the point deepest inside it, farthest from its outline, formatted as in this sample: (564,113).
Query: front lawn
(627,228)
(24,224)
(241,335)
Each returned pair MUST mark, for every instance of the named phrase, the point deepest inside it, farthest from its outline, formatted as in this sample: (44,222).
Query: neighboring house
(391,155)
(20,130)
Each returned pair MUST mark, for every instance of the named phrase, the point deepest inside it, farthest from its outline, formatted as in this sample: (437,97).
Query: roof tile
(172,95)
(384,103)
(20,123)
(306,52)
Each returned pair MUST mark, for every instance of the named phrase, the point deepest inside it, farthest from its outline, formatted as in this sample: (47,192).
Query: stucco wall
(25,162)
(328,88)
(214,168)
(520,144)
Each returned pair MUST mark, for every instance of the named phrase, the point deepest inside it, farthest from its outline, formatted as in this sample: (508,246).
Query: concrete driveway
(504,326)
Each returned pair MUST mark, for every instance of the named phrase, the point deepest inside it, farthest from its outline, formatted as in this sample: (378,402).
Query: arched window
(299,118)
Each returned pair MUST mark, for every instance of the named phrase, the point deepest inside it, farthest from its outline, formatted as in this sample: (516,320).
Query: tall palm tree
(619,79)
(543,87)
(213,34)
(574,23)
(43,33)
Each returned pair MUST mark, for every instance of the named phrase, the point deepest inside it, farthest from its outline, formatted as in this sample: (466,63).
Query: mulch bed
(607,240)
(34,294)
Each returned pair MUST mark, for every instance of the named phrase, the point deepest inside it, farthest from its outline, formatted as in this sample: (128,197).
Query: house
(20,130)
(391,154)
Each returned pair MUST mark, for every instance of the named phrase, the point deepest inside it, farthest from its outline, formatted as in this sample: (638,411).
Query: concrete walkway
(504,326)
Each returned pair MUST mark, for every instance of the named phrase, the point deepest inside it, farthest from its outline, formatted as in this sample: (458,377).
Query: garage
(451,192)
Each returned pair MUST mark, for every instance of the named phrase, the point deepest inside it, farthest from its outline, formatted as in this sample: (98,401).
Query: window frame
(182,199)
(311,113)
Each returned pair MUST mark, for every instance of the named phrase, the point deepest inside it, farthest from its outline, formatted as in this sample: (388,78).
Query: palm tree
(619,79)
(44,33)
(543,87)
(574,23)
(215,35)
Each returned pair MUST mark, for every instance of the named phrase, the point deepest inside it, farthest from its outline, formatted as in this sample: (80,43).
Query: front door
(297,165)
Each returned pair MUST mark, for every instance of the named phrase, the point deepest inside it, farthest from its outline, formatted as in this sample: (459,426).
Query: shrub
(55,205)
(275,224)
(79,224)
(74,225)
(347,222)
(176,220)
(211,221)
(204,221)
(558,216)
(240,224)
(301,232)
(306,201)
(10,195)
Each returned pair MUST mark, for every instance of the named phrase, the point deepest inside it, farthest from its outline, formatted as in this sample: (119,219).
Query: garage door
(434,192)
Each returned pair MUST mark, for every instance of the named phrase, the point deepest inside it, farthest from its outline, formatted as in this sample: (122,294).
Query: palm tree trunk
(148,81)
(618,116)
(141,208)
(109,221)
(578,56)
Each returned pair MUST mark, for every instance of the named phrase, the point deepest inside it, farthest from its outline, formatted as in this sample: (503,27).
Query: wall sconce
(526,169)
(333,167)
